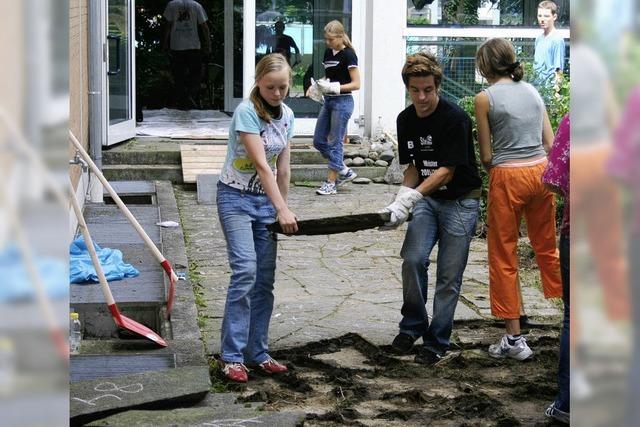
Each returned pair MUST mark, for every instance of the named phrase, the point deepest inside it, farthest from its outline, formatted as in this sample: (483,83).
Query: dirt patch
(350,381)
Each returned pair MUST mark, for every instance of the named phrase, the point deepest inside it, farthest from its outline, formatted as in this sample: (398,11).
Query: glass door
(120,70)
(233,54)
(295,28)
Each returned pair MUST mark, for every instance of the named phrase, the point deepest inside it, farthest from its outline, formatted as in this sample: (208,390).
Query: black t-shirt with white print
(443,138)
(336,67)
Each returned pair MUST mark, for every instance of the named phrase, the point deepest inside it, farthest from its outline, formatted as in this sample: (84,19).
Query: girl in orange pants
(514,135)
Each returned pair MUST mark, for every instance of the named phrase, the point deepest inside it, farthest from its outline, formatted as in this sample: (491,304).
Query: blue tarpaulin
(16,284)
(81,268)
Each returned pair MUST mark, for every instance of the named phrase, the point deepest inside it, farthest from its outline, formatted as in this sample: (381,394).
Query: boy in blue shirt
(549,47)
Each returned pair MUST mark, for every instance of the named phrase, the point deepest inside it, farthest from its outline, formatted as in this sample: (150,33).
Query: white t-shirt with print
(184,17)
(238,170)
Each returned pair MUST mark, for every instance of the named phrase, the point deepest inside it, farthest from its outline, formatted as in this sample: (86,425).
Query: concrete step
(153,160)
(141,157)
(145,172)
(319,172)
(299,172)
(300,154)
(306,156)
(225,414)
(95,399)
(94,366)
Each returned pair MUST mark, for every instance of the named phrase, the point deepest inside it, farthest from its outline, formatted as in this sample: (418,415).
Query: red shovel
(173,278)
(121,321)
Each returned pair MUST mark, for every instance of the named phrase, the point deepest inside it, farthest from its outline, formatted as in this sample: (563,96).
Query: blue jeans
(252,256)
(451,224)
(331,128)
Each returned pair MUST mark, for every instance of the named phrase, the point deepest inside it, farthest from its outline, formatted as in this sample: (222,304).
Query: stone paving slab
(94,366)
(100,214)
(236,415)
(133,187)
(90,400)
(327,286)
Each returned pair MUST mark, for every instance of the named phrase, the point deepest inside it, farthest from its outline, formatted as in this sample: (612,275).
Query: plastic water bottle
(75,333)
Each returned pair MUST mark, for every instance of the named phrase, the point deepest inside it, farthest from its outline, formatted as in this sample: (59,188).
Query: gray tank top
(515,117)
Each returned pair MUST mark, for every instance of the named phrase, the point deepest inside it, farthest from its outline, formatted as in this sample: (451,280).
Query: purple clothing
(556,173)
(624,163)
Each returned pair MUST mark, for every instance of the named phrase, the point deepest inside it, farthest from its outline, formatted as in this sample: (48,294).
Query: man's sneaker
(519,351)
(350,175)
(557,414)
(403,343)
(271,366)
(327,188)
(427,357)
(236,372)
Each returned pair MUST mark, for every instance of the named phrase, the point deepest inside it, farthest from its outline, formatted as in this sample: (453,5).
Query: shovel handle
(92,251)
(134,222)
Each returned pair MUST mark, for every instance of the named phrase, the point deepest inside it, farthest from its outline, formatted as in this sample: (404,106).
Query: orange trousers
(514,192)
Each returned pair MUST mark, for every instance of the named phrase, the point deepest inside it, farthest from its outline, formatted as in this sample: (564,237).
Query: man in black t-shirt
(283,43)
(442,186)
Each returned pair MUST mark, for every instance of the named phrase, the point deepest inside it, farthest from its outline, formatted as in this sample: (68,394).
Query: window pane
(466,13)
(457,57)
(295,28)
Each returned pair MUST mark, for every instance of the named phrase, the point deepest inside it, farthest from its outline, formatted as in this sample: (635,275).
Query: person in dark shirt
(442,187)
(283,43)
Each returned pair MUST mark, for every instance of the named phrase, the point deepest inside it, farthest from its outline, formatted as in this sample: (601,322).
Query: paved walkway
(327,286)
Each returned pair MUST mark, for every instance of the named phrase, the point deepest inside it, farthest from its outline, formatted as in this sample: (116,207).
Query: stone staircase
(148,159)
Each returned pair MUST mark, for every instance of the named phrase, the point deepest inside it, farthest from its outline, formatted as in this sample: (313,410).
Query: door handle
(115,38)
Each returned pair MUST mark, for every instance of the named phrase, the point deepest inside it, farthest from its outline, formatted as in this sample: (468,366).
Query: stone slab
(113,234)
(235,415)
(91,400)
(207,188)
(94,366)
(336,224)
(98,213)
(132,187)
(148,287)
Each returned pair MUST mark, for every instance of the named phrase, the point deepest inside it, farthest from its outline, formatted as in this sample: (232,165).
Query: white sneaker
(519,351)
(343,178)
(327,188)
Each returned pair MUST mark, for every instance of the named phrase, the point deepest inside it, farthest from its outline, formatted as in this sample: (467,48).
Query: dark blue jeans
(563,400)
(451,224)
(331,128)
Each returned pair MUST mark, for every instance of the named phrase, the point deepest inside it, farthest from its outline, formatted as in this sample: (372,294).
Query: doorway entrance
(228,72)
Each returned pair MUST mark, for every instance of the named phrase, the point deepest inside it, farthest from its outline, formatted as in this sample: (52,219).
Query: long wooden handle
(154,249)
(92,251)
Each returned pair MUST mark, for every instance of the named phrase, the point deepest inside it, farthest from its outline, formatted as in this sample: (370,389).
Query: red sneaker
(236,372)
(270,366)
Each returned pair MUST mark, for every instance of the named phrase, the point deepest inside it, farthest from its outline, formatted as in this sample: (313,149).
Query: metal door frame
(126,129)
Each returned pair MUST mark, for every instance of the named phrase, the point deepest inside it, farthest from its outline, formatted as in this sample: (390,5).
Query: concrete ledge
(231,415)
(128,172)
(91,400)
(319,172)
(141,157)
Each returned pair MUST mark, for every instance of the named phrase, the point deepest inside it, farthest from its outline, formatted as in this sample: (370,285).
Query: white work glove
(405,201)
(329,88)
(314,92)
